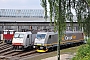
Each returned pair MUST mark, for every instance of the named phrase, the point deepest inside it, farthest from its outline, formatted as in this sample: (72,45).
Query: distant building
(19,19)
(26,13)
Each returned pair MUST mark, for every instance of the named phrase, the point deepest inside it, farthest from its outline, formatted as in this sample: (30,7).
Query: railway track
(26,53)
(1,41)
(6,51)
(20,55)
(4,46)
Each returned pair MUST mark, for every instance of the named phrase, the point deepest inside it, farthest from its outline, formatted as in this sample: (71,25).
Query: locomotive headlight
(34,47)
(21,43)
(41,47)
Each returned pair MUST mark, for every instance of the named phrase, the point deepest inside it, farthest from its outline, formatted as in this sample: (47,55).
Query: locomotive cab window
(21,35)
(5,32)
(27,36)
(41,36)
(11,32)
(49,36)
(18,35)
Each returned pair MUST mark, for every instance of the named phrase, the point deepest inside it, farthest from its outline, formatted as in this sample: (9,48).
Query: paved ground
(62,57)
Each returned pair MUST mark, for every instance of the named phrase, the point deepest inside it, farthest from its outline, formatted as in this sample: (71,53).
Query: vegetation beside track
(83,52)
(70,51)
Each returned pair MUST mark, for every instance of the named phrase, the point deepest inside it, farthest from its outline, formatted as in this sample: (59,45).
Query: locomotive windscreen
(42,36)
(18,35)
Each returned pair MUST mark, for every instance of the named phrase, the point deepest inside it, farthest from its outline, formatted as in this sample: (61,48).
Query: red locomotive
(8,35)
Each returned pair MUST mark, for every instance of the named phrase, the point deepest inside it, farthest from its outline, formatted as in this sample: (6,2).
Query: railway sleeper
(5,50)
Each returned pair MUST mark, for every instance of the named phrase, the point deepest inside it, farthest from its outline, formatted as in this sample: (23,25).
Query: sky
(20,4)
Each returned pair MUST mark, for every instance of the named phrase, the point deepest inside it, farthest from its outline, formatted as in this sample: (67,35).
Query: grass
(69,50)
(54,53)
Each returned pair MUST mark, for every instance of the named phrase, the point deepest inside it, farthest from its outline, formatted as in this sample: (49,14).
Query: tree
(84,51)
(88,2)
(86,22)
(61,11)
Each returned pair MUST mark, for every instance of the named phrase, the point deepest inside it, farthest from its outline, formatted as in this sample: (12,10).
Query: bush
(83,52)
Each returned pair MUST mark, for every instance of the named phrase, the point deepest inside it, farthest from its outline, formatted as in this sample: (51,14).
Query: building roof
(25,15)
(21,13)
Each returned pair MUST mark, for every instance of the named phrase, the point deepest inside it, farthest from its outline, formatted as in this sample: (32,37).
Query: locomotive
(23,40)
(46,41)
(8,35)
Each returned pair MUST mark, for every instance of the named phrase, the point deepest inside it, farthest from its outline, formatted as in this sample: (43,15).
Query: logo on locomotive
(69,37)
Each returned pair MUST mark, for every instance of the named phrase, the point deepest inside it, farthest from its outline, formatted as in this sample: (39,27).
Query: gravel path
(62,57)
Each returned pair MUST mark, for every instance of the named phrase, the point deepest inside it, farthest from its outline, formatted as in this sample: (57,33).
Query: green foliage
(60,12)
(88,2)
(88,41)
(83,52)
(87,26)
(44,4)
(86,22)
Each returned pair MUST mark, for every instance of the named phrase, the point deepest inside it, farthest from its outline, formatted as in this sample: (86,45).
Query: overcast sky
(20,4)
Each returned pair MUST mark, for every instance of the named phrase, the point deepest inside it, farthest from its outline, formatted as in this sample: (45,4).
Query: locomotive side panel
(52,40)
(77,37)
(74,37)
(32,39)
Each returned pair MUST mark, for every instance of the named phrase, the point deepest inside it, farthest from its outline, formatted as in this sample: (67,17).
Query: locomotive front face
(8,35)
(18,39)
(40,42)
(40,39)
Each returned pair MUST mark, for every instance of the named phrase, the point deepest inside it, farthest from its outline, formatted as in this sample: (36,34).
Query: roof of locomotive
(43,32)
(8,30)
(24,32)
(46,33)
(73,32)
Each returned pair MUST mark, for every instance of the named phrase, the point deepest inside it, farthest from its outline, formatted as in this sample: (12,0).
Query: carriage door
(27,40)
(49,39)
